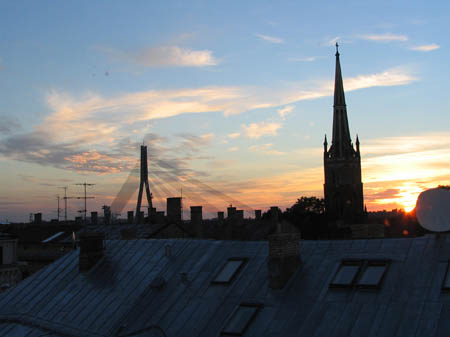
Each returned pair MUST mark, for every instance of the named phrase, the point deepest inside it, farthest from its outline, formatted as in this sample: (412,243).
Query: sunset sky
(229,96)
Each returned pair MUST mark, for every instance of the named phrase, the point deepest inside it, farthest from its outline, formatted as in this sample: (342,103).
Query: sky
(232,98)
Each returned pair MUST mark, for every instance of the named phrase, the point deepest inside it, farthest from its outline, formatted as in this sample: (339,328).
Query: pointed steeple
(325,145)
(341,145)
(339,97)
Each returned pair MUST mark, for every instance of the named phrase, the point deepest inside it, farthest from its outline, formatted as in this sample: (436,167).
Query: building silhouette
(343,188)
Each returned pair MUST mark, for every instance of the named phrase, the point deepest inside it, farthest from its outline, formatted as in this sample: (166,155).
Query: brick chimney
(284,257)
(91,249)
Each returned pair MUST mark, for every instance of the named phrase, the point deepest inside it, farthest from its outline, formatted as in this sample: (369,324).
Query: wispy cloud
(9,124)
(285,110)
(332,41)
(426,47)
(384,37)
(303,59)
(234,135)
(271,39)
(233,149)
(104,130)
(265,149)
(258,130)
(166,56)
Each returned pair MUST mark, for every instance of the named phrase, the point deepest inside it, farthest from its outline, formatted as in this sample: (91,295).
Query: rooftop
(386,287)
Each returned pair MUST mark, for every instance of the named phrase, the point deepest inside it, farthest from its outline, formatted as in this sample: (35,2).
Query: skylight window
(346,274)
(240,319)
(229,270)
(373,274)
(361,273)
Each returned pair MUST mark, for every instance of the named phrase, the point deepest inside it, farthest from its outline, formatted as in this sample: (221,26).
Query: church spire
(341,145)
(339,97)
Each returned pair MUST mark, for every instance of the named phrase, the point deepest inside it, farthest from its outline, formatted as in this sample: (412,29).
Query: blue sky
(235,94)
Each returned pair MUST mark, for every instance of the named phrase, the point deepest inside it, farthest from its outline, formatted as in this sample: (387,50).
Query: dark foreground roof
(136,290)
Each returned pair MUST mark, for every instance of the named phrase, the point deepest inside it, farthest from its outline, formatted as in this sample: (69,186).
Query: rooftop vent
(91,249)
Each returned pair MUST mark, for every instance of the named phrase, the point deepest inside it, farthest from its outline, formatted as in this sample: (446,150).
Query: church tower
(343,188)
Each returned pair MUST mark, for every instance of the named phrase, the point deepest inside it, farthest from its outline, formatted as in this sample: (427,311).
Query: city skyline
(237,96)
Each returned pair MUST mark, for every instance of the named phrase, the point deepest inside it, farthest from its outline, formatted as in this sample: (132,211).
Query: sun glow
(406,197)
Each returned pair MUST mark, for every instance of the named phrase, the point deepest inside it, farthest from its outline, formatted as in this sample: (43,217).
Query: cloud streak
(97,133)
(265,149)
(285,110)
(270,39)
(384,37)
(258,130)
(426,47)
(166,56)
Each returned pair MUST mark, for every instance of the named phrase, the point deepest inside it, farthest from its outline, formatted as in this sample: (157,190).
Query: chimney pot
(91,249)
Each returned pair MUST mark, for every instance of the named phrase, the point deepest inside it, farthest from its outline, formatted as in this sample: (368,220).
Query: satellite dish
(433,209)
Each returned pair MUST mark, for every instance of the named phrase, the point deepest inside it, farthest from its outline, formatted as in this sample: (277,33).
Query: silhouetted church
(343,187)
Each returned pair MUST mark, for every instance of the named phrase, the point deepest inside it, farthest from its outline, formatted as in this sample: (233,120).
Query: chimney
(196,215)
(284,258)
(197,220)
(160,217)
(94,218)
(274,214)
(140,217)
(130,217)
(220,216)
(91,249)
(37,218)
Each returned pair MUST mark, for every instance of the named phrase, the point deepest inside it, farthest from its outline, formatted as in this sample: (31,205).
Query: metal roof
(112,232)
(118,298)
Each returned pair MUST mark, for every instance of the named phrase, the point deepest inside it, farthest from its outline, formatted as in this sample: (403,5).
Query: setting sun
(405,197)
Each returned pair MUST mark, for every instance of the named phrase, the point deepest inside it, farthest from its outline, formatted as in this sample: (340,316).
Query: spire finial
(337,48)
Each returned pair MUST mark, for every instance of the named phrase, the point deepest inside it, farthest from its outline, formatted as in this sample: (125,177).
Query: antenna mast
(65,202)
(58,209)
(85,198)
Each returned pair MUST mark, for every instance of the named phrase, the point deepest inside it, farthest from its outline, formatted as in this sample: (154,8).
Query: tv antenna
(85,197)
(65,202)
(432,209)
(58,210)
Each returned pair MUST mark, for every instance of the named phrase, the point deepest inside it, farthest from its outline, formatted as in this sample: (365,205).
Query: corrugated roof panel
(443,328)
(217,320)
(429,319)
(347,320)
(410,319)
(183,316)
(368,320)
(117,291)
(259,325)
(126,277)
(391,320)
(143,300)
(151,300)
(313,319)
(330,319)
(100,276)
